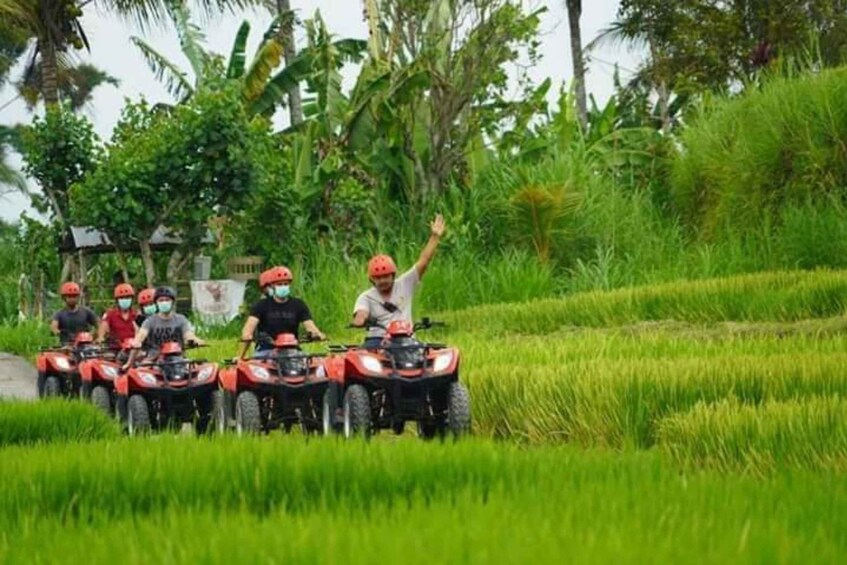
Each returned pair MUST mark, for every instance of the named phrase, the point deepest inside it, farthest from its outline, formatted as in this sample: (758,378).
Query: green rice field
(701,422)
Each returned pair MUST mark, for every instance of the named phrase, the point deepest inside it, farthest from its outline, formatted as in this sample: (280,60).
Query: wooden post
(82,276)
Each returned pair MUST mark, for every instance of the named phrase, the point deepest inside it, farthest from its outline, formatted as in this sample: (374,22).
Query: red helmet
(275,275)
(400,328)
(171,348)
(69,289)
(124,290)
(286,341)
(146,296)
(380,266)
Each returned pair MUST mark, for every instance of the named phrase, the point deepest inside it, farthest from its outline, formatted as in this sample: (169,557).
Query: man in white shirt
(390,298)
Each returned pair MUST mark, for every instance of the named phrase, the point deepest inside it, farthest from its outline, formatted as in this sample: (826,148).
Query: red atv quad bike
(400,380)
(168,391)
(58,367)
(276,389)
(98,375)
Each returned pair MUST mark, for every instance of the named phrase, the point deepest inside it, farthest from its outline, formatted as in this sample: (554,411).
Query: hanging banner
(217,302)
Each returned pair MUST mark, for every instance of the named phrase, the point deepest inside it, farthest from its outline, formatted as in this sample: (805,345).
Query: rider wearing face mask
(277,313)
(147,303)
(118,322)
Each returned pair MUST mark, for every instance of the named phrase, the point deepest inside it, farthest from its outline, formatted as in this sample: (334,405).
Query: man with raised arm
(390,297)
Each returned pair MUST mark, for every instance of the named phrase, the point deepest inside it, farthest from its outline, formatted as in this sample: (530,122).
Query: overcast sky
(112,51)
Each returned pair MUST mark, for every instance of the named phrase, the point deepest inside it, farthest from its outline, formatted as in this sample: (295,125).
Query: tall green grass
(25,338)
(52,422)
(187,500)
(729,435)
(622,403)
(747,157)
(781,296)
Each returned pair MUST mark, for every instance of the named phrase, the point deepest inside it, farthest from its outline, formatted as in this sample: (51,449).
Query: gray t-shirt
(162,330)
(72,322)
(401,296)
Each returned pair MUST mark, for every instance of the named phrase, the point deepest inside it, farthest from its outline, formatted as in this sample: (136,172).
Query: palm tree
(9,177)
(286,37)
(263,89)
(55,26)
(574,14)
(645,26)
(76,84)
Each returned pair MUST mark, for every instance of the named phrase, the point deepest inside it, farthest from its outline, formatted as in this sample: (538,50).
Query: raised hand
(438,226)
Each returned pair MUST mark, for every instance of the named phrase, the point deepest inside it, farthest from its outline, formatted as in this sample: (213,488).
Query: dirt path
(17,377)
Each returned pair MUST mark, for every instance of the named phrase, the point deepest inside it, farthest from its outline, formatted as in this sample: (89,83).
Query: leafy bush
(746,158)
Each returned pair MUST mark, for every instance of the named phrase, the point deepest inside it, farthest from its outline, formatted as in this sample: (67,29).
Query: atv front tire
(357,412)
(52,387)
(329,410)
(121,410)
(248,415)
(221,412)
(39,383)
(138,415)
(102,399)
(458,410)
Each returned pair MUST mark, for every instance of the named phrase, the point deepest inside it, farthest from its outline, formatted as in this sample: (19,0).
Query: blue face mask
(124,303)
(149,309)
(165,306)
(282,291)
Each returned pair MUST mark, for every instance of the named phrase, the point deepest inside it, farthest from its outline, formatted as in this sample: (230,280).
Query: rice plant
(52,422)
(730,435)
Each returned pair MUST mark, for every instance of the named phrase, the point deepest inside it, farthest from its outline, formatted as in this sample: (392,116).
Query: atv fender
(229,379)
(334,367)
(85,370)
(122,385)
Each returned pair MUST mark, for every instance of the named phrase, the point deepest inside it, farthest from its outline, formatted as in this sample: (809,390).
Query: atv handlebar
(267,340)
(423,324)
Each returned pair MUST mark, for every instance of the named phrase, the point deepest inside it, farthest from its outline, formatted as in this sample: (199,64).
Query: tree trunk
(574,15)
(49,74)
(122,263)
(68,267)
(372,18)
(147,259)
(295,102)
(175,264)
(664,106)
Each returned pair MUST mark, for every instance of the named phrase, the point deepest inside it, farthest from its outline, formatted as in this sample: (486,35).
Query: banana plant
(263,85)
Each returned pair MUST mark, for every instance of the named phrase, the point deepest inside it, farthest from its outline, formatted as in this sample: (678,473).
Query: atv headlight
(147,378)
(260,372)
(205,373)
(63,364)
(110,372)
(371,363)
(442,362)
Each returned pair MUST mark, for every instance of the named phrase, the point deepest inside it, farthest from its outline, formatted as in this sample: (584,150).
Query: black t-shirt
(279,317)
(72,322)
